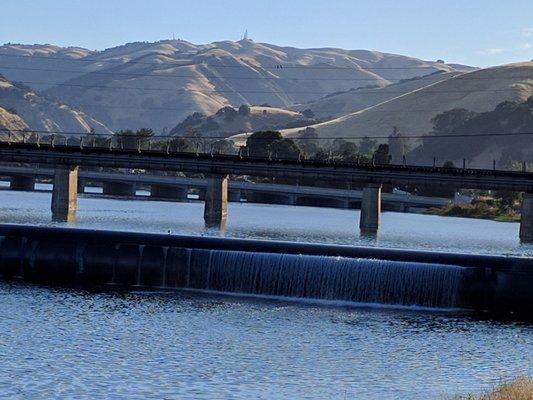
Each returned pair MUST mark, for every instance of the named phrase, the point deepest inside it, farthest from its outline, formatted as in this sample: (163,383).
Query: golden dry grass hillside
(412,112)
(44,114)
(157,85)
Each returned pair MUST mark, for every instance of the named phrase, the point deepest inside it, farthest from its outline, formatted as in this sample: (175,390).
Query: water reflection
(307,224)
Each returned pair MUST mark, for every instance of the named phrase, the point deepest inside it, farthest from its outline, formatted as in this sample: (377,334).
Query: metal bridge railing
(172,145)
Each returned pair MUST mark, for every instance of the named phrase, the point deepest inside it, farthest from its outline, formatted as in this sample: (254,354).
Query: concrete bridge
(177,189)
(67,159)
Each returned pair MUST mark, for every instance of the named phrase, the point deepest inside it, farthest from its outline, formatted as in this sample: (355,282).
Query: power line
(274,78)
(280,66)
(181,109)
(436,136)
(181,89)
(193,76)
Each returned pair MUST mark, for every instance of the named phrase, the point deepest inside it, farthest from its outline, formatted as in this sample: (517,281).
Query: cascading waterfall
(327,278)
(499,284)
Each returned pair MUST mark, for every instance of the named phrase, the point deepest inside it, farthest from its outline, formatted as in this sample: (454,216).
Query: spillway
(288,270)
(320,277)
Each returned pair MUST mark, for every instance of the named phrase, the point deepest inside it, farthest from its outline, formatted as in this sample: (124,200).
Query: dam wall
(493,284)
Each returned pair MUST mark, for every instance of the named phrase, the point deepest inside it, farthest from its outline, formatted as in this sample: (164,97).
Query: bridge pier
(216,201)
(22,183)
(169,192)
(65,193)
(119,189)
(526,223)
(370,209)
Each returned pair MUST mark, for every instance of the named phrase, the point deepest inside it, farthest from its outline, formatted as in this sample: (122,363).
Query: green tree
(196,140)
(449,121)
(224,146)
(367,145)
(382,155)
(308,141)
(344,150)
(180,145)
(285,149)
(308,113)
(448,164)
(229,113)
(244,110)
(258,144)
(129,139)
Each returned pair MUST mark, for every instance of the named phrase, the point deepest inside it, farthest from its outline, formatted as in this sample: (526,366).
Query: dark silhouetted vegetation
(504,124)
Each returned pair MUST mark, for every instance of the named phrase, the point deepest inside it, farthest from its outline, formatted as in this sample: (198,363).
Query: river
(63,343)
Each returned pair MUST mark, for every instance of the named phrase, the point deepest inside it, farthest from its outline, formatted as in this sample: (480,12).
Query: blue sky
(475,32)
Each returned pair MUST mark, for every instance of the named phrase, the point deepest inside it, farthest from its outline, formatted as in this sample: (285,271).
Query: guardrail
(170,145)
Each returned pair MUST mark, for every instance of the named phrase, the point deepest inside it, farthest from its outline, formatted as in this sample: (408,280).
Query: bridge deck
(47,154)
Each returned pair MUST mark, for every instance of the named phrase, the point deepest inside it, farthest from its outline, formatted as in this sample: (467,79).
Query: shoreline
(477,210)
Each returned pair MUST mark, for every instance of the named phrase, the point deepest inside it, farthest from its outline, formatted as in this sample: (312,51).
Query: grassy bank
(519,389)
(483,207)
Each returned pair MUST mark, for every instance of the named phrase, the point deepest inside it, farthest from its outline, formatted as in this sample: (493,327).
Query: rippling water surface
(69,344)
(62,343)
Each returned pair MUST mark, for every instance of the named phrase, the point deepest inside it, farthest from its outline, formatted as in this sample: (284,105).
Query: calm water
(306,224)
(58,343)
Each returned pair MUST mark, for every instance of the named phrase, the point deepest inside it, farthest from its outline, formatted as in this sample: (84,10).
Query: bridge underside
(168,192)
(119,189)
(217,194)
(22,183)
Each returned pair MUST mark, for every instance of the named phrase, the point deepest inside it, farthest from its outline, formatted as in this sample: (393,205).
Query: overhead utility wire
(448,135)
(362,90)
(184,63)
(275,78)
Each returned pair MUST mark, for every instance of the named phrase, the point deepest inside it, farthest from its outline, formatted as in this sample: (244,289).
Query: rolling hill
(43,114)
(228,121)
(412,112)
(339,104)
(158,84)
(10,123)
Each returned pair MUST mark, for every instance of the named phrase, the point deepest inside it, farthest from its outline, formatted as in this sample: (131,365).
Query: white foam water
(324,278)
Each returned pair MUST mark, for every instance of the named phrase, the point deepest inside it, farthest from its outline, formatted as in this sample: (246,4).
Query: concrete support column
(169,192)
(65,193)
(370,209)
(216,201)
(22,183)
(526,223)
(119,189)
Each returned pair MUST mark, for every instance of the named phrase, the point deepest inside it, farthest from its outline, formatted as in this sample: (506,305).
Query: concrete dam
(76,257)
